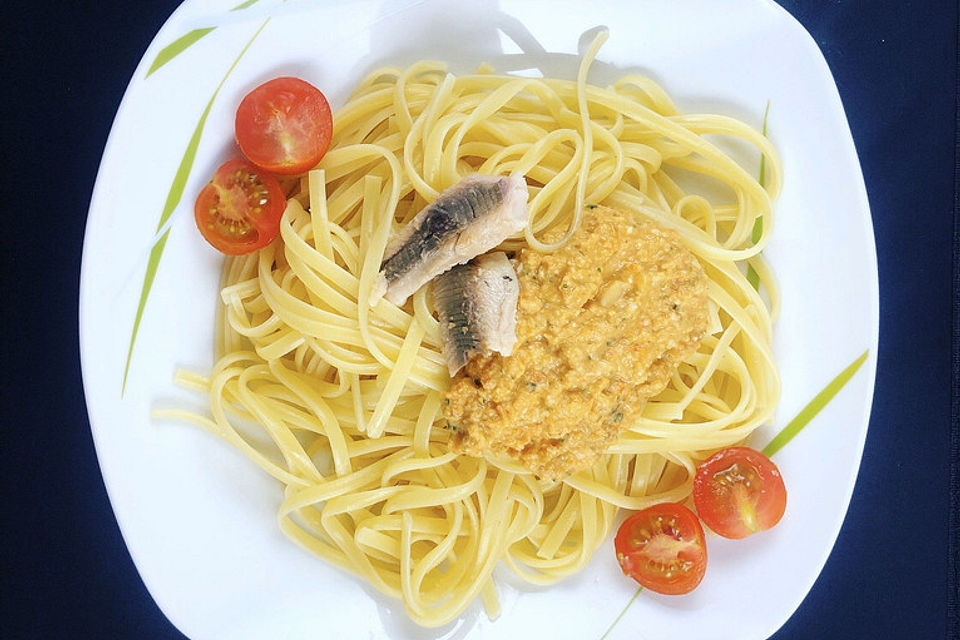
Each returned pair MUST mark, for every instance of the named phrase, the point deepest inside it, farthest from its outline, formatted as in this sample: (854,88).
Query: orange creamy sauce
(602,324)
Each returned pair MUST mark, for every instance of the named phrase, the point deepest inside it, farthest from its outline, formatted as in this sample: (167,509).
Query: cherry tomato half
(663,548)
(284,126)
(239,210)
(739,491)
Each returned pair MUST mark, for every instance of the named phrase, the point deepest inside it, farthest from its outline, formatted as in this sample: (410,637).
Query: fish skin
(457,341)
(477,306)
(470,218)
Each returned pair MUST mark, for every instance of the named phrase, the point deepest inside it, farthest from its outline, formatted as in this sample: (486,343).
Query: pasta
(338,401)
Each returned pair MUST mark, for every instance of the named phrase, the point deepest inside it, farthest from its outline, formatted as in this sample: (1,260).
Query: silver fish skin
(470,218)
(477,306)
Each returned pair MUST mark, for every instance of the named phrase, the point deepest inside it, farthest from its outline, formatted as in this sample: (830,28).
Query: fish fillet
(470,218)
(477,306)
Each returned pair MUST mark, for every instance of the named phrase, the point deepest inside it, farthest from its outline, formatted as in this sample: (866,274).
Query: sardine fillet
(477,306)
(469,218)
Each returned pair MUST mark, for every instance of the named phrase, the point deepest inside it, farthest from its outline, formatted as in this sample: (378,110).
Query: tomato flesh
(239,210)
(663,548)
(738,492)
(284,126)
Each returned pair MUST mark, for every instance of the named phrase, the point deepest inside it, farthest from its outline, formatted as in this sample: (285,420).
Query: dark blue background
(66,572)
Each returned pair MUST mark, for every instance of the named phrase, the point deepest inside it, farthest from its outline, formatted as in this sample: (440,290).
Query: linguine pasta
(341,402)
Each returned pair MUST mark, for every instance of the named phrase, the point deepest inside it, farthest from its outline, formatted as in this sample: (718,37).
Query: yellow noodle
(349,397)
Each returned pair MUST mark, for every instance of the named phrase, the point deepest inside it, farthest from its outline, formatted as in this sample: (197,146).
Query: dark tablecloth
(66,572)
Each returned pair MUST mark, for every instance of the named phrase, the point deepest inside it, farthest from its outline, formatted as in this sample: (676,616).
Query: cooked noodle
(349,397)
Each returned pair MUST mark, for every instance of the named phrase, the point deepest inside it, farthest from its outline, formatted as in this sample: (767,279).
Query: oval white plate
(199,519)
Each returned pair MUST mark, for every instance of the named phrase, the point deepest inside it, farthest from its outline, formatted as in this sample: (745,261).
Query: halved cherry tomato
(239,210)
(663,548)
(284,126)
(739,491)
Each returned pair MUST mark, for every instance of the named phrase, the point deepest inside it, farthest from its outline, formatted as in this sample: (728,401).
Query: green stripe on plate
(177,47)
(173,199)
(752,276)
(814,406)
(182,43)
(614,623)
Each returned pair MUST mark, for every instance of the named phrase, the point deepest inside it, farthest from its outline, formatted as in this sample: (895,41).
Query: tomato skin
(663,548)
(239,210)
(284,126)
(738,492)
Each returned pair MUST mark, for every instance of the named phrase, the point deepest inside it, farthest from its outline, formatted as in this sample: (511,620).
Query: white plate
(199,519)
